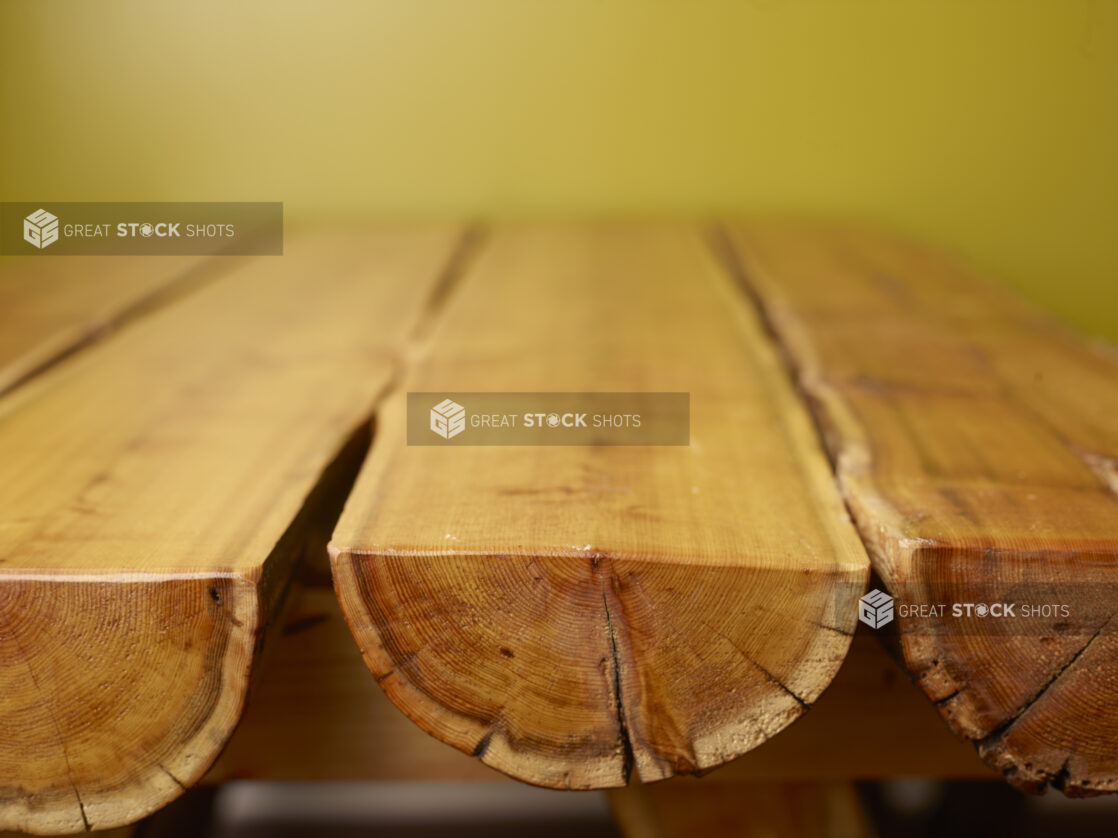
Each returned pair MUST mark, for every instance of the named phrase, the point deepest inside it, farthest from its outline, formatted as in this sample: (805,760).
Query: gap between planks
(167,698)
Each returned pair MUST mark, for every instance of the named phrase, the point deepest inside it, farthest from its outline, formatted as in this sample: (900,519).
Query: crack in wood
(174,779)
(628,758)
(998,733)
(81,809)
(483,745)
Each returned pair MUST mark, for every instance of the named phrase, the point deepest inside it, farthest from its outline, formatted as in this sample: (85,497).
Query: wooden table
(180,438)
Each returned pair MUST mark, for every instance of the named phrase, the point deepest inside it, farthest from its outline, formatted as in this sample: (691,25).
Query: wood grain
(569,614)
(53,305)
(976,444)
(317,715)
(157,490)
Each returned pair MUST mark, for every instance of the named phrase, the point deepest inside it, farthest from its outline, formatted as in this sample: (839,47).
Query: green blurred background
(987,126)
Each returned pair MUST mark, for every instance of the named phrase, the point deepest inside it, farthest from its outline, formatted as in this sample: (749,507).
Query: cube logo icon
(40,228)
(875,609)
(448,419)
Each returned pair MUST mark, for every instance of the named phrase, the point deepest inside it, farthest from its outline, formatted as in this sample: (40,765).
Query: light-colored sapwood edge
(712,808)
(53,306)
(570,615)
(975,443)
(119,832)
(158,490)
(317,715)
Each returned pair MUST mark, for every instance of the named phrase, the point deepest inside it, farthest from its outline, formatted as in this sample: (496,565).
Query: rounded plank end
(574,673)
(117,693)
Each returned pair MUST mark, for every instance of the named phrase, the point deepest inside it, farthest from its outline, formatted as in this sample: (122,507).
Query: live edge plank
(568,614)
(976,444)
(154,493)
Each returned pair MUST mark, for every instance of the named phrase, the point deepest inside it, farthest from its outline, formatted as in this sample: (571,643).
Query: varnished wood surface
(567,614)
(976,444)
(51,306)
(157,488)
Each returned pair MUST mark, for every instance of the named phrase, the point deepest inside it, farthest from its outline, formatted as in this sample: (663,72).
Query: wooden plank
(976,445)
(120,832)
(318,715)
(567,613)
(156,491)
(51,306)
(686,807)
